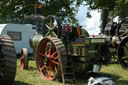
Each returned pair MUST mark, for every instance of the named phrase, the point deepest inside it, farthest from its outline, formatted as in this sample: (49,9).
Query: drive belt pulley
(52,26)
(7,60)
(122,30)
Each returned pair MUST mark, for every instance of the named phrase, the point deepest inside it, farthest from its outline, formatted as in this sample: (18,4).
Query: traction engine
(61,51)
(117,38)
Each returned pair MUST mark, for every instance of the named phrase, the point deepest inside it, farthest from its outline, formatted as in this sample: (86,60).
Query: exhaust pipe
(104,15)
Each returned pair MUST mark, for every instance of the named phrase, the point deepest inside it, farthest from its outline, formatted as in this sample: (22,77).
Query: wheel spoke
(123,34)
(55,68)
(46,50)
(55,62)
(49,73)
(54,54)
(51,22)
(22,57)
(50,48)
(41,54)
(22,62)
(43,67)
(53,72)
(54,27)
(125,48)
(125,58)
(50,64)
(48,27)
(56,58)
(124,27)
(46,45)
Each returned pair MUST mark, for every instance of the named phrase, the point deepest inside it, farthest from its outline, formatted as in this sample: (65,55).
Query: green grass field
(32,77)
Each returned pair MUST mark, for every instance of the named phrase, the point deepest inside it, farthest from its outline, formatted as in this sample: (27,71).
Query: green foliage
(17,11)
(98,4)
(119,7)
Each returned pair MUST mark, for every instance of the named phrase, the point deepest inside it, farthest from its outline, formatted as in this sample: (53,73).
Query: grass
(32,77)
(119,75)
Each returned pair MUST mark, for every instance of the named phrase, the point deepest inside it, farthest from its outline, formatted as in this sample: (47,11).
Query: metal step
(70,81)
(66,60)
(68,67)
(69,75)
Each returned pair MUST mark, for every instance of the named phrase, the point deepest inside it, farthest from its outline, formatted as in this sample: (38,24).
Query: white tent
(20,34)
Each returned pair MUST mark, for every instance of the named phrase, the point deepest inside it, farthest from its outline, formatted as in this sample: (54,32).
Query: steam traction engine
(61,51)
(117,38)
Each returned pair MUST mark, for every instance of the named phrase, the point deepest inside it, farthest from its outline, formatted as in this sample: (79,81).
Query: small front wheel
(24,59)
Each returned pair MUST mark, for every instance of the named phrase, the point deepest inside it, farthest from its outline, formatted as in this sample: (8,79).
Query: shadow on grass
(82,79)
(122,82)
(114,77)
(20,83)
(32,68)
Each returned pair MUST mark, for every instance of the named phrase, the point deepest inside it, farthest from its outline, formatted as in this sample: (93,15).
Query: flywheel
(122,30)
(49,54)
(7,60)
(52,27)
(123,53)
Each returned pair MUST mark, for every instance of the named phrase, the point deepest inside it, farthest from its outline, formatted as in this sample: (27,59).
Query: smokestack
(104,16)
(38,9)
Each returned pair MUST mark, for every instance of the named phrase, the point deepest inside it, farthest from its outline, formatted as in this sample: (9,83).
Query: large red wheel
(24,59)
(48,54)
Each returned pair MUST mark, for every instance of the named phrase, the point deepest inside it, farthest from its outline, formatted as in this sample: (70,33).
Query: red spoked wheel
(48,54)
(24,59)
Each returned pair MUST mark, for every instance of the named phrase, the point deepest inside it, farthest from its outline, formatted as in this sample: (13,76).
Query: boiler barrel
(34,41)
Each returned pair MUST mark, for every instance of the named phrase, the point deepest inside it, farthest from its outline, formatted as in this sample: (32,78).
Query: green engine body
(86,51)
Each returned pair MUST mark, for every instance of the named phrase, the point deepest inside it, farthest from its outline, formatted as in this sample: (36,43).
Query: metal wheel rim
(122,54)
(47,59)
(24,59)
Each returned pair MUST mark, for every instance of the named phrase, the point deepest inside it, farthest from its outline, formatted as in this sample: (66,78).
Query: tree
(119,7)
(16,11)
(99,4)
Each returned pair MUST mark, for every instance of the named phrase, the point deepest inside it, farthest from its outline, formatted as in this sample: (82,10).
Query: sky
(90,24)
